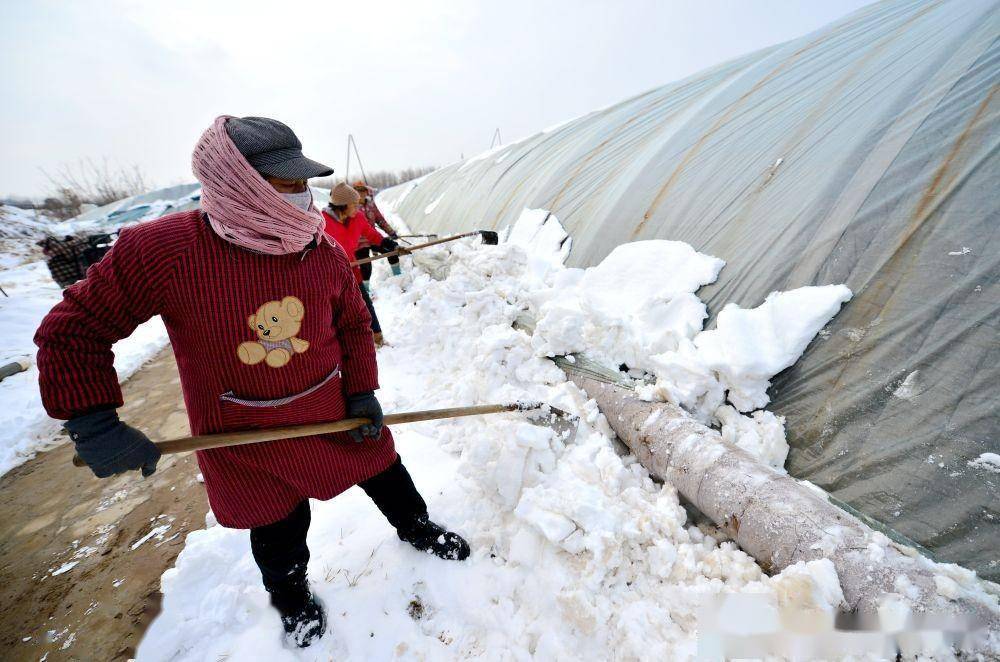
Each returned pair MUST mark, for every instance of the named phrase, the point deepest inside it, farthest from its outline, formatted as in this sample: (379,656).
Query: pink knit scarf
(242,207)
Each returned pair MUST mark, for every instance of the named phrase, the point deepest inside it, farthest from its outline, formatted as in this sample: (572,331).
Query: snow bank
(545,242)
(577,553)
(636,303)
(638,307)
(762,434)
(748,347)
(24,426)
(647,273)
(987,461)
(19,230)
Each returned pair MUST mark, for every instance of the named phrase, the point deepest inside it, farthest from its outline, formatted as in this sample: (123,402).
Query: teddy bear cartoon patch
(276,324)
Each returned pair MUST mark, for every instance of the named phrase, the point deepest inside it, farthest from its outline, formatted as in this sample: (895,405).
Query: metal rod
(410,249)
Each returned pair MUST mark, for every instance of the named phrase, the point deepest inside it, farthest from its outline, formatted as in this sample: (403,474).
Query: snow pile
(737,359)
(636,303)
(762,434)
(543,239)
(24,426)
(20,229)
(987,461)
(638,308)
(577,553)
(748,347)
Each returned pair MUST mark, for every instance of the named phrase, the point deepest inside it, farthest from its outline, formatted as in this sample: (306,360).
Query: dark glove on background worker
(364,405)
(388,245)
(110,447)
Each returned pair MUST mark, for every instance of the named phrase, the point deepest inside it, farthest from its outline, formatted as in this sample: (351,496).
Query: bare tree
(88,181)
(382,178)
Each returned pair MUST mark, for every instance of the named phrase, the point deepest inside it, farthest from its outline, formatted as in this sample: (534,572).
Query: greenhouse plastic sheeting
(121,208)
(866,153)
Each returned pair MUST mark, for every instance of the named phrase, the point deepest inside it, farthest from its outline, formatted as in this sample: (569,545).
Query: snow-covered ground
(31,293)
(24,426)
(19,230)
(577,553)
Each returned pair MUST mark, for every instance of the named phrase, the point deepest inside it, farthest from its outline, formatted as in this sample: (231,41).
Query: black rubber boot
(397,498)
(428,537)
(301,615)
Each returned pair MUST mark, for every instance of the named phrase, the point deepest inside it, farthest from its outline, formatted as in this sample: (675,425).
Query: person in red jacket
(348,225)
(269,329)
(377,220)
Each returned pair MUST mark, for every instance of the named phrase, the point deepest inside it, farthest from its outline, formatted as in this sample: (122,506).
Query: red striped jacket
(260,341)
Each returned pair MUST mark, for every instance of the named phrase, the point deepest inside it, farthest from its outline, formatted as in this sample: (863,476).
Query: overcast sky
(417,83)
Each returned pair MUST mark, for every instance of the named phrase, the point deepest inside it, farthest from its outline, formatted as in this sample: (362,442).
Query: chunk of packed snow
(762,434)
(65,567)
(543,238)
(809,585)
(748,347)
(634,276)
(637,302)
(987,461)
(156,531)
(908,388)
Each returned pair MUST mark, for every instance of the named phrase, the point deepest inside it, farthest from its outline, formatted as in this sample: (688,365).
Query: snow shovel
(490,238)
(207,441)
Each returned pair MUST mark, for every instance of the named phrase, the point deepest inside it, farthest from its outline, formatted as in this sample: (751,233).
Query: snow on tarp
(865,153)
(166,200)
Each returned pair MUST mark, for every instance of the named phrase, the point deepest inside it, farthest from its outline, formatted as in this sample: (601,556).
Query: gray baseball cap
(273,149)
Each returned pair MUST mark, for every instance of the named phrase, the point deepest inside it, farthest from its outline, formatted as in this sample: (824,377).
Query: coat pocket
(317,404)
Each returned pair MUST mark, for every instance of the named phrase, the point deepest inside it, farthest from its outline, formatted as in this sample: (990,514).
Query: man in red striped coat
(269,329)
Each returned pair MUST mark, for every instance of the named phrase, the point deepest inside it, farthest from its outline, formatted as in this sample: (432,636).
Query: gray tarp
(865,153)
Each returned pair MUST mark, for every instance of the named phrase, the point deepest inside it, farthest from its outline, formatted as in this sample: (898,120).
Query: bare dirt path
(81,558)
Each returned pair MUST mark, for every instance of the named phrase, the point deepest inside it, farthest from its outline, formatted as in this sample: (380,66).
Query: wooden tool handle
(410,249)
(207,441)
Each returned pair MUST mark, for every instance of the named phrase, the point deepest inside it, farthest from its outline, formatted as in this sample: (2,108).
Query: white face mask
(302,200)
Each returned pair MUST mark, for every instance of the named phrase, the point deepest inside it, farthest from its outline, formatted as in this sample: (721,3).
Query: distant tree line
(88,182)
(380,179)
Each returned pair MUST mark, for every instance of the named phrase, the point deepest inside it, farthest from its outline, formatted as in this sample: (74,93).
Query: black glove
(364,405)
(388,245)
(110,447)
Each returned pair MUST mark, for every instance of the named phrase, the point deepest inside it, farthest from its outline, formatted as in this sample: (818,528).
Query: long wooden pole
(410,249)
(207,441)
